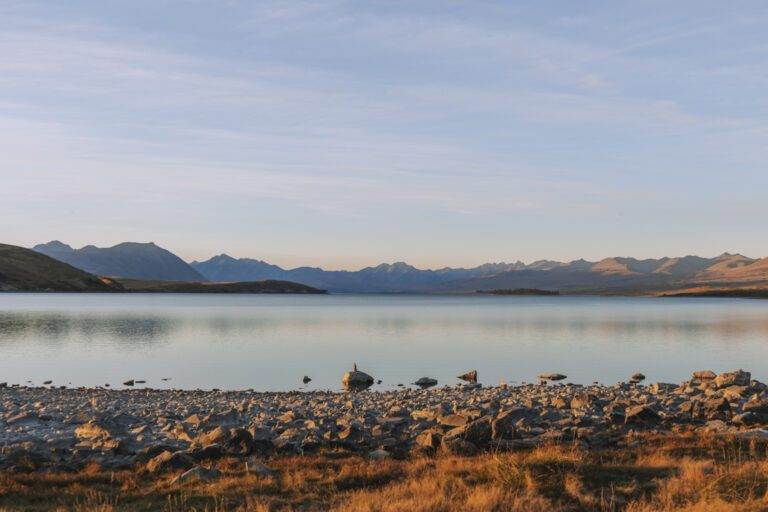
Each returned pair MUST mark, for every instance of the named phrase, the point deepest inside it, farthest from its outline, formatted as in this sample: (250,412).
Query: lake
(269,342)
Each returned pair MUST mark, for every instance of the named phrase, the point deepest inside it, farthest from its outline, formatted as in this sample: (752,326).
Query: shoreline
(127,428)
(558,447)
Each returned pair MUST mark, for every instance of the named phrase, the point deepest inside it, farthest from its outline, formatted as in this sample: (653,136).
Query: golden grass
(678,474)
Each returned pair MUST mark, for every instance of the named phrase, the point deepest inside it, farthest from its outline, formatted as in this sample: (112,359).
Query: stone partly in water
(469,376)
(306,379)
(426,382)
(552,376)
(637,377)
(128,383)
(356,380)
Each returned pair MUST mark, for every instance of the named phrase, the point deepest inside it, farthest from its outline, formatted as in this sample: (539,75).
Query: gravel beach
(50,428)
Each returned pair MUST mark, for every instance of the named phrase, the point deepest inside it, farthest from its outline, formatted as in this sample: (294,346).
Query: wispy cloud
(317,112)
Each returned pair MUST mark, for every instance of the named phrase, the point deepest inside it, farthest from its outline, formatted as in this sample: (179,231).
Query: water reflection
(271,342)
(59,328)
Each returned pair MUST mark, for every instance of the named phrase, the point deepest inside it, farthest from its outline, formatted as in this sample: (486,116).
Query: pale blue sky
(344,134)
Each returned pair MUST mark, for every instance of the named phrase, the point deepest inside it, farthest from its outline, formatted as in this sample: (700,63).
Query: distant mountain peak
(223,257)
(54,245)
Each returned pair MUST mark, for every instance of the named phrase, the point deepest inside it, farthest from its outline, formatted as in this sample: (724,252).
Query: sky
(349,133)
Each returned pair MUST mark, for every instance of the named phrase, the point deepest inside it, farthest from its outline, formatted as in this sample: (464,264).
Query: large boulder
(426,382)
(453,420)
(736,378)
(356,380)
(459,446)
(552,376)
(168,461)
(478,432)
(704,375)
(641,415)
(469,376)
(504,426)
(757,406)
(429,439)
(239,442)
(715,409)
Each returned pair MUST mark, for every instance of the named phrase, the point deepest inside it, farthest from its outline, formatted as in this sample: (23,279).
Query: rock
(239,442)
(259,469)
(168,461)
(129,383)
(715,409)
(306,380)
(582,401)
(637,377)
(356,380)
(469,376)
(426,382)
(379,454)
(429,439)
(503,427)
(196,474)
(478,432)
(194,420)
(458,446)
(715,426)
(736,378)
(453,420)
(757,433)
(552,376)
(756,405)
(211,452)
(47,382)
(217,436)
(748,418)
(92,430)
(734,393)
(641,415)
(662,387)
(23,418)
(561,402)
(704,375)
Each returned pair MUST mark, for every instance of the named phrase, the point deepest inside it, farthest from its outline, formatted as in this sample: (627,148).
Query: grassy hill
(25,270)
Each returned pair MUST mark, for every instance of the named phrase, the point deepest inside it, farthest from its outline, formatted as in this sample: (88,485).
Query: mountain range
(25,270)
(610,275)
(128,260)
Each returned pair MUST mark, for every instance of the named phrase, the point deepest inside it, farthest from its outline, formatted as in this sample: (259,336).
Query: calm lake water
(269,342)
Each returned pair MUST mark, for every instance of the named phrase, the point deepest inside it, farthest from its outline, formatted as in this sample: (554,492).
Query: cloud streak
(319,116)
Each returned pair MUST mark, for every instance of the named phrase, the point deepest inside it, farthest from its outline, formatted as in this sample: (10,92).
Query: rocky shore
(54,429)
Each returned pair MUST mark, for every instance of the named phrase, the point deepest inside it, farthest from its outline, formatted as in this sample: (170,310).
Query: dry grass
(660,474)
